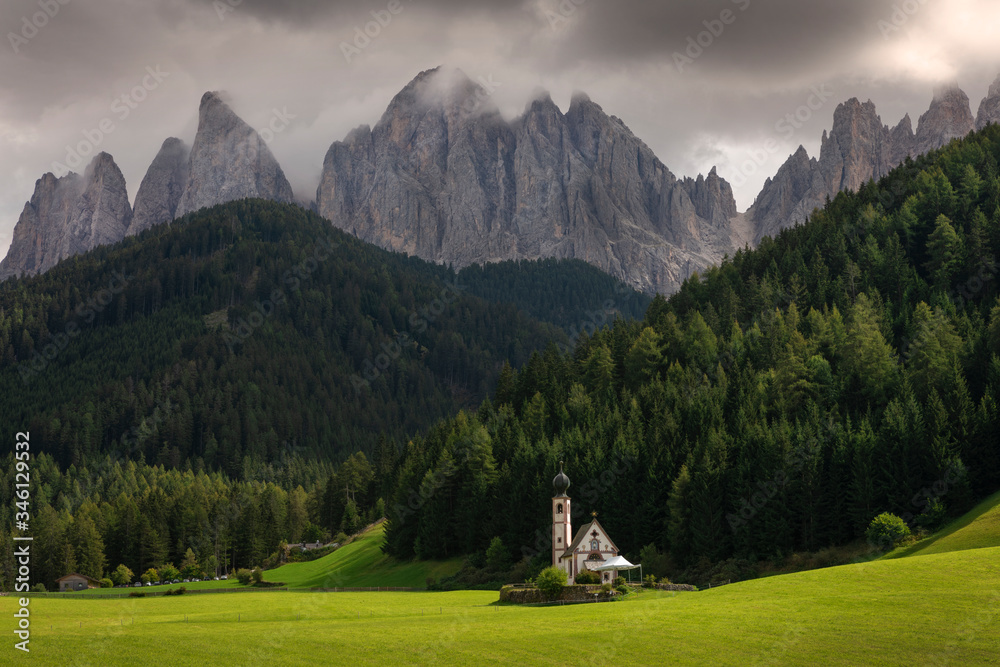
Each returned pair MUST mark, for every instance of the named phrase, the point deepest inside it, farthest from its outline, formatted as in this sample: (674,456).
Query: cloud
(756,65)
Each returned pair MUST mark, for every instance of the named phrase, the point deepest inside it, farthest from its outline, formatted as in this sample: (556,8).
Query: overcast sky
(63,74)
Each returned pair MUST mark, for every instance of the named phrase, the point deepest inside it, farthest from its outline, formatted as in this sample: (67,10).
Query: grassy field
(937,609)
(978,528)
(362,563)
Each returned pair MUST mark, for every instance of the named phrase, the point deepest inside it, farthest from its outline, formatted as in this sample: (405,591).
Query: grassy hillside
(941,609)
(978,528)
(362,563)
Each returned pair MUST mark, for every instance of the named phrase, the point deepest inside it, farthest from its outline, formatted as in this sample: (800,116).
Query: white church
(590,549)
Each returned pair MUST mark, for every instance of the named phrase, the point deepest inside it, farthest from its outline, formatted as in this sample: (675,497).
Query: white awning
(616,563)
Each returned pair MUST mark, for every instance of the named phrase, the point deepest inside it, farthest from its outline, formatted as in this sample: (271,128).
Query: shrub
(619,581)
(122,575)
(606,588)
(176,591)
(886,530)
(168,572)
(654,562)
(649,579)
(587,577)
(622,588)
(933,515)
(497,556)
(244,576)
(39,588)
(137,594)
(257,575)
(107,583)
(551,581)
(149,576)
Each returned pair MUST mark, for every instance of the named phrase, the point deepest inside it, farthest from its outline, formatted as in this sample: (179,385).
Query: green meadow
(978,528)
(934,603)
(934,609)
(362,563)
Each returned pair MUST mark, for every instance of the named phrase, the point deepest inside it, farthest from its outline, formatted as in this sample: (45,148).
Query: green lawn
(978,528)
(362,563)
(937,609)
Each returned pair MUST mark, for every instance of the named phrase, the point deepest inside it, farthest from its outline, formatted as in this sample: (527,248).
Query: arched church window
(595,545)
(559,508)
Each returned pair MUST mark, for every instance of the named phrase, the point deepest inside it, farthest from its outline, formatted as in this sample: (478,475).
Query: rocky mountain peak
(67,216)
(989,108)
(161,189)
(229,160)
(949,117)
(471,187)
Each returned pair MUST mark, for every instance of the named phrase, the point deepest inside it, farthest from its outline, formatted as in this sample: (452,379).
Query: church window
(559,508)
(595,545)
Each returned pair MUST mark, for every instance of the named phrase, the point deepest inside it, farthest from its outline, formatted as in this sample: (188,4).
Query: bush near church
(587,577)
(551,581)
(886,530)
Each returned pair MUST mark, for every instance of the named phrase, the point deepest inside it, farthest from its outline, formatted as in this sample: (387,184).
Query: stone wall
(574,593)
(674,587)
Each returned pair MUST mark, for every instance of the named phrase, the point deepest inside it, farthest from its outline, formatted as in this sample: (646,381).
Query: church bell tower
(562,528)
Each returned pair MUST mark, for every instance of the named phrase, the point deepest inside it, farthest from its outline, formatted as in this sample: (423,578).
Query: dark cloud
(289,55)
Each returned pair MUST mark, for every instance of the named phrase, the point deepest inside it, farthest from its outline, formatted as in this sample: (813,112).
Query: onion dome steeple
(560,482)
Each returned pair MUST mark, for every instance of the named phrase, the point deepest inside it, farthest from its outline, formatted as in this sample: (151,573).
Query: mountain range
(443,176)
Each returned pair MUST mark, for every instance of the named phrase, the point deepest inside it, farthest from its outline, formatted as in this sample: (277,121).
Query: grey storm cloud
(755,62)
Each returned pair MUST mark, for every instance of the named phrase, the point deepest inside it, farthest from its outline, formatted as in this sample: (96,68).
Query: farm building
(76,582)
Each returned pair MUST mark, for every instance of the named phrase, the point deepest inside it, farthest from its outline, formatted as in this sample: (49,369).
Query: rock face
(860,148)
(948,118)
(229,161)
(73,214)
(67,216)
(443,176)
(989,108)
(161,189)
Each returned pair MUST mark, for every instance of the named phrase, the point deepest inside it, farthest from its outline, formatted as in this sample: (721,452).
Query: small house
(76,582)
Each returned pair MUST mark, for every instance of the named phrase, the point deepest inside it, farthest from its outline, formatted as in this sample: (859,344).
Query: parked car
(215,579)
(176,581)
(137,584)
(224,577)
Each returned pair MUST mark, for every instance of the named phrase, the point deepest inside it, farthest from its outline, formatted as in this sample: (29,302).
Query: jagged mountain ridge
(69,215)
(860,148)
(73,214)
(443,176)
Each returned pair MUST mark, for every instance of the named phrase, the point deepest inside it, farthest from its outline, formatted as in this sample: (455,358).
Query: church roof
(581,535)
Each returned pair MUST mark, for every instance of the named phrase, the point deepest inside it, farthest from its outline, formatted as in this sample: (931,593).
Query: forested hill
(250,331)
(776,403)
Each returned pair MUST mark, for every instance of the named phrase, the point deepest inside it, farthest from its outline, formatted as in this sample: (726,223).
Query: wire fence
(138,593)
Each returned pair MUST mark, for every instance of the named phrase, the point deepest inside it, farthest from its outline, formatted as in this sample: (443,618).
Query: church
(590,549)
